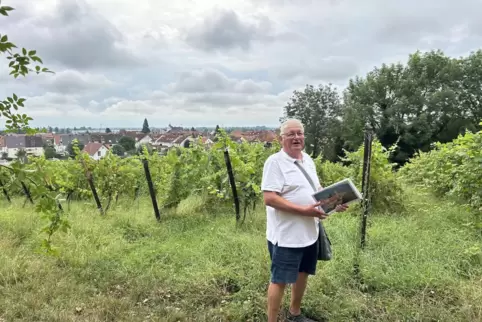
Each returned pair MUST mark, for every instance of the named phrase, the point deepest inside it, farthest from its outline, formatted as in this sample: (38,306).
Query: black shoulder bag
(324,244)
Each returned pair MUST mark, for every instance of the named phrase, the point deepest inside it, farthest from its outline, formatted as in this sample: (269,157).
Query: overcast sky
(231,62)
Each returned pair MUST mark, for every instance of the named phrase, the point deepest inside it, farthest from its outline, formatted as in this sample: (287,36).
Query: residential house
(169,140)
(3,147)
(96,150)
(143,139)
(105,138)
(177,139)
(31,144)
(266,137)
(175,129)
(62,141)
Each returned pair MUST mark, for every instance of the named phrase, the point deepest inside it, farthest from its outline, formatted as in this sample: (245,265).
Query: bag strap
(306,175)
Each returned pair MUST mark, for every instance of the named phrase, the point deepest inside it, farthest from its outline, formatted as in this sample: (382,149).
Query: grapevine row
(201,170)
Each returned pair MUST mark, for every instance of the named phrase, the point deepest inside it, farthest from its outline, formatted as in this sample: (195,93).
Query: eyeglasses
(292,135)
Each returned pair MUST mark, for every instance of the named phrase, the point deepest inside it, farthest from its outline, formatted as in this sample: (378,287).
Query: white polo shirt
(280,174)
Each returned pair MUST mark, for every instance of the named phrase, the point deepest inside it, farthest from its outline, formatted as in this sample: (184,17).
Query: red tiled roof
(92,147)
(251,136)
(57,139)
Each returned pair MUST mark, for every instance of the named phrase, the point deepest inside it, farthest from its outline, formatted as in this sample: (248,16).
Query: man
(292,220)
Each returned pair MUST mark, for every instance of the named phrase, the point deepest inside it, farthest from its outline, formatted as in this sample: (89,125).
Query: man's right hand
(314,211)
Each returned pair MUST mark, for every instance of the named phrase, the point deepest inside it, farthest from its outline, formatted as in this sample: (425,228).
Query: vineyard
(451,169)
(128,266)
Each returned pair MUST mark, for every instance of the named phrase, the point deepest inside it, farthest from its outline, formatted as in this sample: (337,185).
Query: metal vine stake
(367,155)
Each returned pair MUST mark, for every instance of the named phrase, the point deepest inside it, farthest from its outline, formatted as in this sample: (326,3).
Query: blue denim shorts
(287,262)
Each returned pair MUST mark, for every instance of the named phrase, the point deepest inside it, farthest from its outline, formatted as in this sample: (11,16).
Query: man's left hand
(341,208)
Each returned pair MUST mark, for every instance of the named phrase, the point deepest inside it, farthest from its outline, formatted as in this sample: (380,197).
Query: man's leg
(285,265)
(297,292)
(275,296)
(307,267)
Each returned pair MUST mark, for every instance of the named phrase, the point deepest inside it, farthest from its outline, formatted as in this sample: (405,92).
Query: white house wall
(101,153)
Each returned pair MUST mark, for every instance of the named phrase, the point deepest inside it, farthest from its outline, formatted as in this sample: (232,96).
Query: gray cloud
(74,82)
(226,30)
(74,35)
(330,69)
(247,58)
(212,80)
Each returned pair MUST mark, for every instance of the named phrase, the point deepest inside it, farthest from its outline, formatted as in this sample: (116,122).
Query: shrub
(386,192)
(450,169)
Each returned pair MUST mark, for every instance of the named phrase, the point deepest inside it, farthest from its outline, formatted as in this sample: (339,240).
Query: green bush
(450,169)
(331,172)
(386,192)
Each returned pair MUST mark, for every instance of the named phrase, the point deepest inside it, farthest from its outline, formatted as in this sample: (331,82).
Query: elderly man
(292,220)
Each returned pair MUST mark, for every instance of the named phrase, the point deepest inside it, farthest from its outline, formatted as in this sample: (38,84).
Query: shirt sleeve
(273,179)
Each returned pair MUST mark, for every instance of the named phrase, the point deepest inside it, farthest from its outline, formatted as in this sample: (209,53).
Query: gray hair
(289,122)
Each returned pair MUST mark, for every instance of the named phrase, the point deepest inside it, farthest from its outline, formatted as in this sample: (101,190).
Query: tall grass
(424,265)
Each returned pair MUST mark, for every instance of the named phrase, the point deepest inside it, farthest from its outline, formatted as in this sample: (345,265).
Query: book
(341,192)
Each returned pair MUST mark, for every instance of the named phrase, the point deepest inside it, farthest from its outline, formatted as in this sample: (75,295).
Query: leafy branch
(21,62)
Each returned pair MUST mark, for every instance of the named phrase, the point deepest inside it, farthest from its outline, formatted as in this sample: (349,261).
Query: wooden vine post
(367,157)
(90,180)
(232,182)
(151,188)
(5,192)
(27,192)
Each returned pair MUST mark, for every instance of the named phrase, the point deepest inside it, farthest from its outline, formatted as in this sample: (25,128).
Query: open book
(341,192)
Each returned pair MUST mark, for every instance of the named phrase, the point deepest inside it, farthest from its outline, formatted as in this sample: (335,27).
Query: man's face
(293,139)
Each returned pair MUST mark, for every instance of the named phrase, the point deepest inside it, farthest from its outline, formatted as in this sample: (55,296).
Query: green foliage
(118,149)
(145,127)
(49,152)
(331,172)
(20,62)
(47,200)
(386,193)
(452,169)
(432,98)
(128,143)
(196,266)
(70,148)
(319,109)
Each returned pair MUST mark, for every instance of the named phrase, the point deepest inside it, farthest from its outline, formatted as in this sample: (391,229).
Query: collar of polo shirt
(290,158)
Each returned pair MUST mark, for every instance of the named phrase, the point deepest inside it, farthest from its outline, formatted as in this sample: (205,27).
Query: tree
(319,109)
(19,63)
(49,152)
(107,130)
(145,127)
(128,143)
(70,148)
(432,98)
(118,149)
(140,149)
(22,156)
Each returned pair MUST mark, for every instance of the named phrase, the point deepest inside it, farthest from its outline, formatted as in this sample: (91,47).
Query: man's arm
(274,200)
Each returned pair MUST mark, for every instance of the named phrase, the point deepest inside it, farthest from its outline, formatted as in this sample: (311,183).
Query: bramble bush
(451,169)
(386,193)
